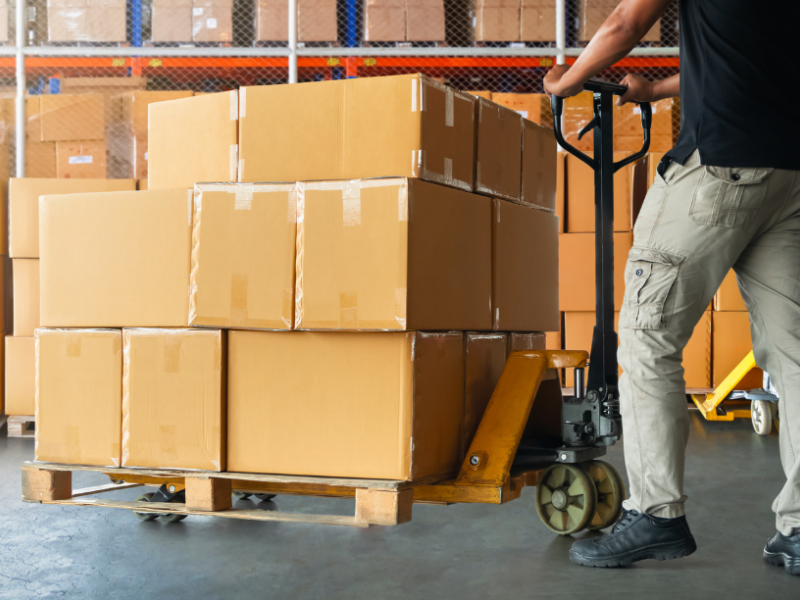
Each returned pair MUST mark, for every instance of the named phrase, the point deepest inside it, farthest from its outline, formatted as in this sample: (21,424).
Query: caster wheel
(610,494)
(116,481)
(172,518)
(142,516)
(566,499)
(241,495)
(265,497)
(761,414)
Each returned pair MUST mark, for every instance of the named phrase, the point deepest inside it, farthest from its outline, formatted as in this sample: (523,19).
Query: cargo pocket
(728,197)
(649,277)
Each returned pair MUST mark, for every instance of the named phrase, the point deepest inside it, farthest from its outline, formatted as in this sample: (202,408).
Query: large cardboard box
(593,13)
(243,258)
(81,160)
(20,376)
(140,156)
(87,21)
(534,107)
(417,127)
(374,405)
(25,272)
(498,151)
(425,21)
(316,21)
(208,125)
(40,160)
(539,166)
(497,21)
(24,206)
(538,21)
(485,359)
(732,342)
(69,117)
(524,268)
(664,128)
(79,396)
(653,158)
(172,21)
(135,107)
(531,340)
(107,21)
(578,111)
(67,24)
(392,254)
(384,20)
(272,20)
(173,399)
(576,270)
(212,21)
(561,195)
(728,297)
(116,259)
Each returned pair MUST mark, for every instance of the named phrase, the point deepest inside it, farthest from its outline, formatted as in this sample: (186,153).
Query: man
(727,196)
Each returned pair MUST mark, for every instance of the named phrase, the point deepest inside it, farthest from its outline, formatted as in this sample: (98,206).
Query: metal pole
(292,41)
(561,31)
(21,84)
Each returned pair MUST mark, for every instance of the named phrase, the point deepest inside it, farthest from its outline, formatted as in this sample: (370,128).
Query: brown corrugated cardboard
(534,340)
(24,206)
(497,21)
(140,156)
(732,342)
(212,22)
(392,254)
(539,168)
(68,117)
(20,376)
(172,21)
(272,18)
(484,363)
(728,297)
(135,107)
(416,128)
(592,14)
(26,295)
(524,268)
(345,404)
(107,23)
(40,159)
(68,25)
(663,129)
(482,94)
(498,151)
(576,270)
(141,185)
(425,20)
(561,196)
(553,340)
(207,124)
(578,111)
(652,164)
(534,107)
(243,256)
(316,21)
(173,399)
(538,21)
(116,259)
(79,396)
(33,117)
(578,331)
(384,20)
(6,289)
(81,160)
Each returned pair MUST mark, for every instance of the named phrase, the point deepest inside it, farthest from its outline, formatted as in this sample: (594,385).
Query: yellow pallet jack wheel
(610,494)
(566,499)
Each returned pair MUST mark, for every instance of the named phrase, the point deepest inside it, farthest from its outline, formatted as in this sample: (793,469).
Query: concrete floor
(460,551)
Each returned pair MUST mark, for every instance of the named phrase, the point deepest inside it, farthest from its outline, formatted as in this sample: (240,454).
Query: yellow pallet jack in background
(763,409)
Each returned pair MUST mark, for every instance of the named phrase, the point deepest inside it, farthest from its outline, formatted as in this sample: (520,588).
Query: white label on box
(524,113)
(197,12)
(211,23)
(80,160)
(516,45)
(145,155)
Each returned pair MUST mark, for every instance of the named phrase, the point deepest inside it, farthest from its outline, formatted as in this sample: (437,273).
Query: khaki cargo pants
(696,224)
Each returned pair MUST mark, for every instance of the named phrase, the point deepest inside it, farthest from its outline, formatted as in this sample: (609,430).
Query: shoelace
(628,516)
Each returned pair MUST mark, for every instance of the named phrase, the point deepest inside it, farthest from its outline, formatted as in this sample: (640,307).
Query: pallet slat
(19,427)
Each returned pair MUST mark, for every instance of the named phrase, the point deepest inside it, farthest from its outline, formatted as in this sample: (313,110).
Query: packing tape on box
(286,308)
(291,210)
(497,317)
(233,163)
(239,284)
(244,197)
(351,203)
(234,105)
(400,306)
(190,205)
(300,194)
(416,163)
(324,185)
(449,109)
(348,310)
(172,354)
(402,202)
(240,173)
(242,102)
(414,100)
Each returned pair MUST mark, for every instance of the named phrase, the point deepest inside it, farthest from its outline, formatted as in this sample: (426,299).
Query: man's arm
(623,29)
(641,89)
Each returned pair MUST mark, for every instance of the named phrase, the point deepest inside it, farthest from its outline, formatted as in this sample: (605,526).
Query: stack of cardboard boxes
(176,21)
(514,20)
(731,332)
(312,327)
(404,21)
(87,20)
(316,21)
(533,107)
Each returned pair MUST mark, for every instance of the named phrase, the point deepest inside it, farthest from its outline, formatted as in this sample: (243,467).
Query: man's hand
(557,82)
(640,89)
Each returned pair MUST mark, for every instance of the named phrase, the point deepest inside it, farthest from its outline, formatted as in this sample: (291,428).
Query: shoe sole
(657,552)
(790,564)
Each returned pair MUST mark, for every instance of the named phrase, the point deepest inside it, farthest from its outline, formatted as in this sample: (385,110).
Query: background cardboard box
(498,151)
(141,185)
(116,259)
(173,399)
(345,404)
(576,270)
(392,254)
(20,376)
(534,107)
(26,295)
(81,159)
(384,20)
(135,108)
(172,21)
(79,396)
(40,160)
(140,156)
(539,168)
(732,342)
(425,21)
(484,363)
(578,331)
(316,21)
(69,117)
(592,14)
(212,20)
(107,23)
(538,20)
(243,261)
(561,196)
(497,20)
(728,297)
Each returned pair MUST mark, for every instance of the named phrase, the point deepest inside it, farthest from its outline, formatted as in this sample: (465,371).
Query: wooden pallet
(21,427)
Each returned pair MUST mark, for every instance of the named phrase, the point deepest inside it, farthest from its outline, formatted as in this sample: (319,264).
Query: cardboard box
(141,185)
(140,156)
(561,196)
(69,117)
(539,166)
(20,376)
(697,355)
(578,112)
(553,340)
(482,94)
(534,107)
(576,270)
(653,159)
(578,332)
(732,342)
(116,259)
(24,206)
(243,258)
(384,20)
(81,160)
(392,254)
(135,107)
(346,404)
(213,22)
(173,399)
(26,295)
(728,297)
(484,363)
(664,129)
(497,21)
(524,268)
(409,116)
(425,21)
(532,340)
(107,23)
(172,21)
(272,20)
(207,124)
(316,21)
(538,21)
(498,151)
(79,396)
(593,13)
(68,25)
(40,160)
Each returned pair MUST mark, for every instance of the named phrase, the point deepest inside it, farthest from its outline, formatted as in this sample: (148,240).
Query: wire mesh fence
(92,66)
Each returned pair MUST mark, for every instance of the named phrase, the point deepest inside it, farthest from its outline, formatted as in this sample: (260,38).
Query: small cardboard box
(497,21)
(728,297)
(173,399)
(68,24)
(498,151)
(417,127)
(392,254)
(484,363)
(24,206)
(425,21)
(69,117)
(534,107)
(524,268)
(81,159)
(593,13)
(79,396)
(384,20)
(732,342)
(25,272)
(172,21)
(539,166)
(243,259)
(346,404)
(576,270)
(212,22)
(116,259)
(316,21)
(107,23)
(20,376)
(538,21)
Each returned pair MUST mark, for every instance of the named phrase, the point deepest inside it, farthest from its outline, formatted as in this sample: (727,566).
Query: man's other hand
(554,83)
(640,89)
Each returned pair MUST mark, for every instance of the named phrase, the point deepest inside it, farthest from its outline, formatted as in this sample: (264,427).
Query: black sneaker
(635,537)
(784,551)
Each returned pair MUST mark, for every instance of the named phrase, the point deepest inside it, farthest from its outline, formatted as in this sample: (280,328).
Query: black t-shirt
(740,96)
